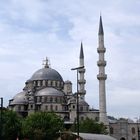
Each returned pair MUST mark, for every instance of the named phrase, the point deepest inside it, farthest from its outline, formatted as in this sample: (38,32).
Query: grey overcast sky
(30,30)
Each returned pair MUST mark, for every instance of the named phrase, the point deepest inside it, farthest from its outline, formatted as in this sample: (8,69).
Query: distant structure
(102,76)
(124,129)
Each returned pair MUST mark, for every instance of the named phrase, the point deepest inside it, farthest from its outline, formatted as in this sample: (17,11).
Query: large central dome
(46,74)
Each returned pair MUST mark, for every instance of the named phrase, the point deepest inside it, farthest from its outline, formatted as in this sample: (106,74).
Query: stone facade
(124,129)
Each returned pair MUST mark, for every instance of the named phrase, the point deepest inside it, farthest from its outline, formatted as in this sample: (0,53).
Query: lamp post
(77,98)
(138,129)
(1,109)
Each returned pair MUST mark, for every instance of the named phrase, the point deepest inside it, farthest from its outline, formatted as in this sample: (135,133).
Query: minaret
(81,80)
(102,76)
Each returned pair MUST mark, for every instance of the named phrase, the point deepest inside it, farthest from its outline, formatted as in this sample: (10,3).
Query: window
(81,108)
(46,107)
(73,107)
(56,108)
(53,83)
(19,107)
(56,99)
(111,130)
(45,99)
(82,118)
(51,107)
(133,130)
(51,99)
(58,84)
(44,83)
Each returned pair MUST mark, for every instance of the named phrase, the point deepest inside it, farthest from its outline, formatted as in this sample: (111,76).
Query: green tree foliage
(10,125)
(41,126)
(92,126)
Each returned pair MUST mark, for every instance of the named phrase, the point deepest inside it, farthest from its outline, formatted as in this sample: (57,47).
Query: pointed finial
(46,63)
(101,31)
(81,51)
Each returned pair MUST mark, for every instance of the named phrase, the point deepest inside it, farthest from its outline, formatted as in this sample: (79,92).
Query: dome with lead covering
(46,74)
(19,98)
(49,91)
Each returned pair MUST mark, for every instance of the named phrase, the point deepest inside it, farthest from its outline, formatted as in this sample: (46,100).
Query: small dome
(49,91)
(46,74)
(82,102)
(19,98)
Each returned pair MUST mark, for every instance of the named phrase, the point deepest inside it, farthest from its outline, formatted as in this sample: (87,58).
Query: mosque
(47,91)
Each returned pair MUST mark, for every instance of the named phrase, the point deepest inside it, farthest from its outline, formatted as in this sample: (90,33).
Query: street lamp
(1,109)
(138,130)
(77,98)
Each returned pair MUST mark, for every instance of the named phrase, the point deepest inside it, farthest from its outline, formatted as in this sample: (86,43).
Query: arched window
(44,83)
(19,108)
(49,82)
(111,130)
(58,84)
(133,130)
(81,108)
(53,83)
(56,107)
(51,107)
(82,118)
(46,100)
(51,99)
(56,99)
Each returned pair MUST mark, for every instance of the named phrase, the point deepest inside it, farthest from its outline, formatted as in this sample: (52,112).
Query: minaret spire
(101,31)
(82,80)
(81,52)
(102,76)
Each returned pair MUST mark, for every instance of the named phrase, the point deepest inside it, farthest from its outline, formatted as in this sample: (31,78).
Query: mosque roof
(49,91)
(46,74)
(19,98)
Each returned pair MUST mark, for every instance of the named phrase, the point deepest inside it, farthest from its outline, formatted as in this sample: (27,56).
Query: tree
(10,125)
(41,126)
(91,126)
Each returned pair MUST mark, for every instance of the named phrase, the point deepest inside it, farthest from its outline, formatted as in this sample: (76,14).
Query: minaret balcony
(82,92)
(101,76)
(81,70)
(101,50)
(101,63)
(81,81)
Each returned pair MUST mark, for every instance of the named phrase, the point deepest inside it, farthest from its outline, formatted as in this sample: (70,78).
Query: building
(47,91)
(124,129)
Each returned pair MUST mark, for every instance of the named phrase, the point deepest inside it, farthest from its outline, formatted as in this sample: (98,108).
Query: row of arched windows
(49,99)
(132,130)
(49,83)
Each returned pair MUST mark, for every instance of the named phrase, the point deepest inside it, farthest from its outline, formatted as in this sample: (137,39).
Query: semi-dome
(46,74)
(49,91)
(19,98)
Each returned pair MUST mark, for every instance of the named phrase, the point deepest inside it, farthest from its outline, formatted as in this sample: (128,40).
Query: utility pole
(77,98)
(1,112)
